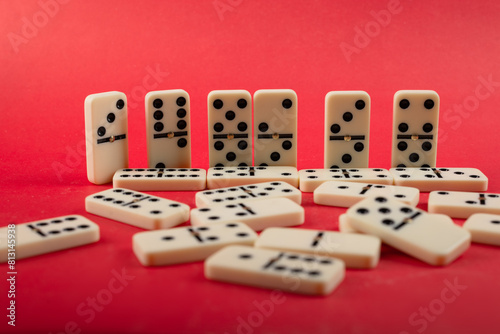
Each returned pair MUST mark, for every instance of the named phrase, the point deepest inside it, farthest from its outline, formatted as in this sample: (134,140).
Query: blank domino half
(137,209)
(221,177)
(429,179)
(347,129)
(161,179)
(48,235)
(188,244)
(356,250)
(411,230)
(248,192)
(459,204)
(106,135)
(484,228)
(292,272)
(310,179)
(345,194)
(258,214)
(230,128)
(415,128)
(275,127)
(168,129)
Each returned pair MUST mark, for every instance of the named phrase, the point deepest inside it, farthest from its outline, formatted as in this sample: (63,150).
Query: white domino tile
(347,129)
(106,135)
(46,236)
(275,127)
(310,179)
(188,244)
(258,214)
(484,228)
(221,177)
(161,179)
(356,250)
(345,194)
(168,130)
(459,204)
(292,272)
(230,128)
(430,179)
(137,209)
(248,192)
(415,128)
(411,230)
(345,226)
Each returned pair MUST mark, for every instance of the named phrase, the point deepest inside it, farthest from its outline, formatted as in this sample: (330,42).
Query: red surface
(94,46)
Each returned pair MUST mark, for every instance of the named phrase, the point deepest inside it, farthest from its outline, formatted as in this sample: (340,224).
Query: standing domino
(347,129)
(356,250)
(46,236)
(411,230)
(271,269)
(258,214)
(310,179)
(415,128)
(459,204)
(106,135)
(248,192)
(484,228)
(137,209)
(168,129)
(230,128)
(188,244)
(220,177)
(429,179)
(275,127)
(345,194)
(160,179)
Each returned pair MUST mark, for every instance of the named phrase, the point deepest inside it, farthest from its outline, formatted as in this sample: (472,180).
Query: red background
(95,46)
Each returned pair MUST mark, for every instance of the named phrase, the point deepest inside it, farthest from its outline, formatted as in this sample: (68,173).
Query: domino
(258,214)
(105,135)
(161,179)
(345,226)
(415,128)
(484,228)
(347,129)
(188,244)
(411,230)
(264,268)
(458,204)
(310,179)
(221,177)
(275,127)
(168,129)
(137,209)
(429,179)
(230,128)
(356,250)
(248,192)
(345,194)
(46,236)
